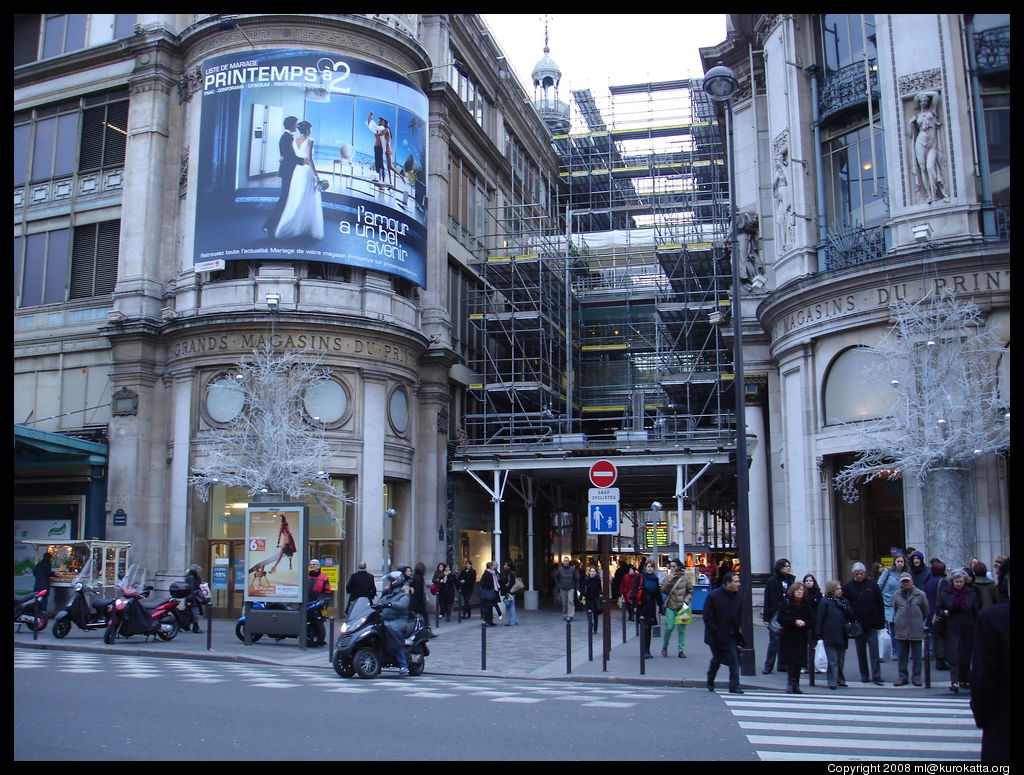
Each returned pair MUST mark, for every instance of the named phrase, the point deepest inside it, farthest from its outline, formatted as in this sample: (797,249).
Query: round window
(224,399)
(326,401)
(398,409)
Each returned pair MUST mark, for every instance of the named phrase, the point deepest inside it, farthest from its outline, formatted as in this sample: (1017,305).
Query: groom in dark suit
(289,161)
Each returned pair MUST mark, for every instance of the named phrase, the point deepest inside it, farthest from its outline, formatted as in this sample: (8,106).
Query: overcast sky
(596,50)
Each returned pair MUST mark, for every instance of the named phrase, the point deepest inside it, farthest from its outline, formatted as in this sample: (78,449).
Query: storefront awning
(42,448)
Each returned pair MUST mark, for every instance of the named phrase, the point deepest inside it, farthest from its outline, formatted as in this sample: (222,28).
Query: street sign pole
(606,640)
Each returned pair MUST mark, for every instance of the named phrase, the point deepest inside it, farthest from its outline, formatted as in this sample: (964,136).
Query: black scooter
(84,608)
(363,648)
(316,614)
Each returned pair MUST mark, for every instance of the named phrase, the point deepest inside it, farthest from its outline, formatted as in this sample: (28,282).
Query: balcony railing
(844,88)
(854,245)
(992,49)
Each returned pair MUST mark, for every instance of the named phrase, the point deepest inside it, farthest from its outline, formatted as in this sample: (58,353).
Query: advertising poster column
(313,157)
(275,559)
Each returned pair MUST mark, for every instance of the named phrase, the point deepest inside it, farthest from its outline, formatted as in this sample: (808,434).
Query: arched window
(856,388)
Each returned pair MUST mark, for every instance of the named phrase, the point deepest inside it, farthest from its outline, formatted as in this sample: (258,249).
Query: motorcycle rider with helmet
(396,601)
(194,601)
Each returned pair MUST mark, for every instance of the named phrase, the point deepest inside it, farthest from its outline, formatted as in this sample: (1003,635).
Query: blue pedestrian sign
(604,519)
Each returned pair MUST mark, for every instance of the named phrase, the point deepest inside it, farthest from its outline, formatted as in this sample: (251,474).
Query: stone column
(760,538)
(369,522)
(179,542)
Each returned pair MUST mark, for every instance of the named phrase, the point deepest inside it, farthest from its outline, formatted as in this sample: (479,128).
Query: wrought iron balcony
(844,88)
(854,245)
(992,48)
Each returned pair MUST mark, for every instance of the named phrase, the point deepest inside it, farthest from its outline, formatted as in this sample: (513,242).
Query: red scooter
(31,610)
(131,614)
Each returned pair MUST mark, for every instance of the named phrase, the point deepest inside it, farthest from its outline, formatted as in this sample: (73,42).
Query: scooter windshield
(85,575)
(360,608)
(134,579)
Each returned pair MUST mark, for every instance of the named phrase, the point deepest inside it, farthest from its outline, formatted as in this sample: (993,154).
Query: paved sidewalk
(534,649)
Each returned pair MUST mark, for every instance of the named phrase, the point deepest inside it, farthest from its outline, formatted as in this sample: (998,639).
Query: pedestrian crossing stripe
(863,699)
(834,706)
(786,756)
(944,732)
(830,717)
(867,743)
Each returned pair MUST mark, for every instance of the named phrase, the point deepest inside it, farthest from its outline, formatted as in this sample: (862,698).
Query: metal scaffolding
(602,321)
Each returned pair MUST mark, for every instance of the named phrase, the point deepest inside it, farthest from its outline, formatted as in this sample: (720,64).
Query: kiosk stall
(109,559)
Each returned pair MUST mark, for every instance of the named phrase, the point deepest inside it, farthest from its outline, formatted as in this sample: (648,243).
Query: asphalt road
(96,707)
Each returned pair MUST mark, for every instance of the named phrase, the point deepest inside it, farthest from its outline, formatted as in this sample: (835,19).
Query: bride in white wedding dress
(303,210)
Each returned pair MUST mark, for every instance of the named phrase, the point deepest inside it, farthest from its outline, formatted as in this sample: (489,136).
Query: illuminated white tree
(942,363)
(272,446)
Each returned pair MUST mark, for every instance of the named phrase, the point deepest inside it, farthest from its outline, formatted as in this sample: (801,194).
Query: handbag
(518,586)
(434,589)
(488,595)
(853,629)
(774,625)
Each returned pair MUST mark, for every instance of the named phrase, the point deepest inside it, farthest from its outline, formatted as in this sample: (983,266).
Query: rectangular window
(63,33)
(48,269)
(997,133)
(79,135)
(855,178)
(94,261)
(39,36)
(26,37)
(43,268)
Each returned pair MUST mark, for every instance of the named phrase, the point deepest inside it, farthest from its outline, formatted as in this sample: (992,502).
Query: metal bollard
(330,649)
(568,646)
(483,646)
(209,627)
(590,636)
(35,632)
(642,625)
(927,659)
(810,664)
(623,624)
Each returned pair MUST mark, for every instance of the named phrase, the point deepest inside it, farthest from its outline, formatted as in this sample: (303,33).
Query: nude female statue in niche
(784,215)
(923,128)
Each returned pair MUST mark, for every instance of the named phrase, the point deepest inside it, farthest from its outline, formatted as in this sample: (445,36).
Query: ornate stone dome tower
(546,77)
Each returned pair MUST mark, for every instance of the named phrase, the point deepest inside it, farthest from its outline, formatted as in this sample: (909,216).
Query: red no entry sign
(603,473)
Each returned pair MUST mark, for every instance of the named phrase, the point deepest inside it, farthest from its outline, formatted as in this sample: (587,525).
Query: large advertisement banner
(314,157)
(274,537)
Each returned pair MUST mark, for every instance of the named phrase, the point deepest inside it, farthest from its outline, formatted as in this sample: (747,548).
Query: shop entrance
(873,526)
(226,575)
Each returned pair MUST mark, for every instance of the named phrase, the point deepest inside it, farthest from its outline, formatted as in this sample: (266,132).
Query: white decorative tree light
(942,363)
(271,446)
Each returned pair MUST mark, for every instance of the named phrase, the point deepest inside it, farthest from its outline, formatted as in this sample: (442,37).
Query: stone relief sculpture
(785,220)
(926,164)
(747,246)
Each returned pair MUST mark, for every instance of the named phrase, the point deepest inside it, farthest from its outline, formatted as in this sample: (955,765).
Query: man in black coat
(723,611)
(774,594)
(866,603)
(990,681)
(360,584)
(289,161)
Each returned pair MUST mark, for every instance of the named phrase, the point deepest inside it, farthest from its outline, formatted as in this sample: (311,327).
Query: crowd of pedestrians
(888,614)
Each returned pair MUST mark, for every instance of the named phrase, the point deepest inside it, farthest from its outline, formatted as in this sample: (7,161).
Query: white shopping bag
(884,645)
(820,658)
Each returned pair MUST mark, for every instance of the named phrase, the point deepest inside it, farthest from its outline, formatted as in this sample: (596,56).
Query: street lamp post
(720,85)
